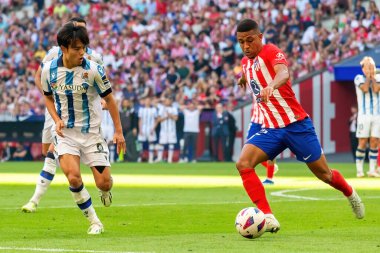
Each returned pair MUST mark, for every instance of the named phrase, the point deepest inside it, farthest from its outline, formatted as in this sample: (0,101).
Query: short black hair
(78,19)
(247,25)
(70,32)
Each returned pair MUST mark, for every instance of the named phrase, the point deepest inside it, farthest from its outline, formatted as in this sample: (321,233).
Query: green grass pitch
(187,208)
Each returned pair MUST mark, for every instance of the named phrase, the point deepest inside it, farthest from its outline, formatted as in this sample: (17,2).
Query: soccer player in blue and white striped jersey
(73,86)
(368,123)
(147,127)
(48,171)
(167,117)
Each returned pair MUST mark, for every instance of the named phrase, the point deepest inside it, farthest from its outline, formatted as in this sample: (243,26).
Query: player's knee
(242,164)
(74,180)
(104,185)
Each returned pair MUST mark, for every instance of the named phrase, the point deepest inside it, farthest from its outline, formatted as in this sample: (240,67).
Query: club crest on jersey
(85,76)
(54,86)
(280,56)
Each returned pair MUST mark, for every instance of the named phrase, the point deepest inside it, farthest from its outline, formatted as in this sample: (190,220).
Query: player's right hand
(59,125)
(119,140)
(242,82)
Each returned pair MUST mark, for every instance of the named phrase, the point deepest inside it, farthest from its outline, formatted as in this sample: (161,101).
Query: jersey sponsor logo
(280,56)
(78,88)
(256,90)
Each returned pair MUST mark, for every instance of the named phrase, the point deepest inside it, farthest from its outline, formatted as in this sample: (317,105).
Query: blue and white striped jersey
(76,92)
(369,102)
(148,117)
(90,54)
(168,125)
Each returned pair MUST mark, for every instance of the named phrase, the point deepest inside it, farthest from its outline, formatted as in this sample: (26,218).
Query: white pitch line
(282,194)
(292,196)
(63,250)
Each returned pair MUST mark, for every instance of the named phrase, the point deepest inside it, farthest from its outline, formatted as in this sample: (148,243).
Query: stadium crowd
(183,49)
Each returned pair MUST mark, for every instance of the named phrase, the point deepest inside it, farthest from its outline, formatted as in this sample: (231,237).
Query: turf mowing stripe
(283,199)
(192,181)
(65,250)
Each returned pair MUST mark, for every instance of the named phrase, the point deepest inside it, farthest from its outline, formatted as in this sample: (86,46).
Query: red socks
(255,189)
(270,171)
(339,183)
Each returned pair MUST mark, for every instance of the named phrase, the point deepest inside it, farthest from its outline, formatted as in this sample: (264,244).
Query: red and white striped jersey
(283,107)
(257,115)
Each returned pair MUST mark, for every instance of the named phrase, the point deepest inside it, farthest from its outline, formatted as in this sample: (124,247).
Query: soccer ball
(250,222)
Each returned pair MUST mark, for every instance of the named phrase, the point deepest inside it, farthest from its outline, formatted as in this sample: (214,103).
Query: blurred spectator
(21,153)
(352,126)
(150,45)
(128,118)
(191,130)
(220,132)
(231,132)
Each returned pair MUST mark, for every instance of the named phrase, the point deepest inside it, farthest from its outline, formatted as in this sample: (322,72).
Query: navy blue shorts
(299,137)
(253,129)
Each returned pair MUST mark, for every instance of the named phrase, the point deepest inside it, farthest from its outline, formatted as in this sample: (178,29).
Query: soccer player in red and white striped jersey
(286,124)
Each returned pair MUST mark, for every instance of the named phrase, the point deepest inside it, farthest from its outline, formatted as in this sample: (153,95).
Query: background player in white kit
(167,117)
(147,128)
(73,86)
(48,171)
(367,92)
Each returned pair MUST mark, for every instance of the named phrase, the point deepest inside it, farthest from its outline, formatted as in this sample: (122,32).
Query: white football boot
(357,205)
(106,198)
(272,223)
(95,229)
(275,169)
(30,207)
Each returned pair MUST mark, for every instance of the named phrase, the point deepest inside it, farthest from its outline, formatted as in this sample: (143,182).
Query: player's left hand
(119,140)
(266,93)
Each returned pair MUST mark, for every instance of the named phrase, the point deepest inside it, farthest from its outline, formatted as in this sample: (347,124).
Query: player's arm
(49,101)
(365,86)
(281,77)
(118,137)
(376,83)
(242,82)
(173,116)
(105,92)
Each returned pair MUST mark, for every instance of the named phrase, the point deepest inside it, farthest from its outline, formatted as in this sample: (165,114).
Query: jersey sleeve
(51,54)
(98,58)
(276,56)
(101,82)
(359,80)
(45,80)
